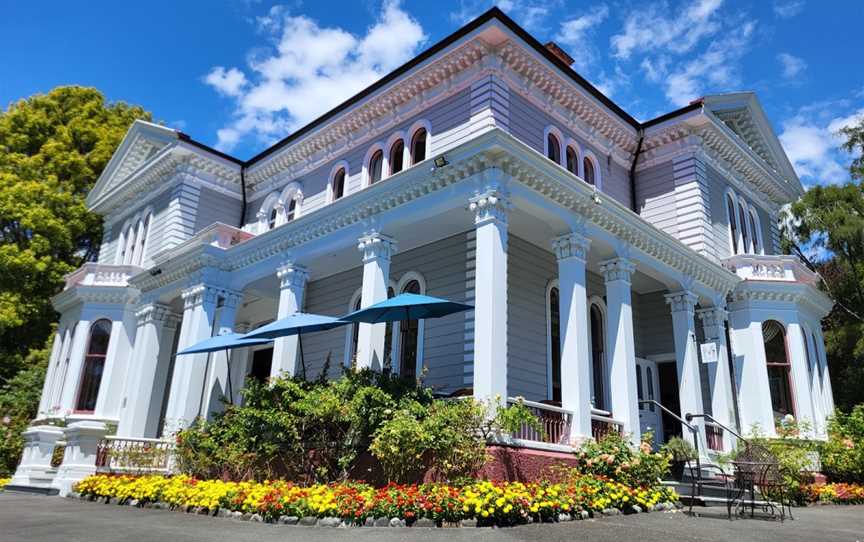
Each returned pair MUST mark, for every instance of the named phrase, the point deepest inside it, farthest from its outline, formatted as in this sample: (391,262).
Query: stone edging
(310,521)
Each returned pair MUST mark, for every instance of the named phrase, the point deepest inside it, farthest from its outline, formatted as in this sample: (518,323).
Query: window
(597,356)
(376,163)
(779,368)
(262,363)
(94,365)
(409,333)
(290,212)
(553,148)
(130,245)
(338,184)
(388,338)
(271,220)
(733,223)
(122,247)
(745,237)
(649,380)
(355,333)
(555,341)
(754,228)
(418,146)
(397,151)
(639,392)
(572,160)
(142,241)
(589,171)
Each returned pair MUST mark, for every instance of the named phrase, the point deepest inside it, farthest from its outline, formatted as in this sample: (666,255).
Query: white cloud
(813,146)
(575,34)
(530,14)
(792,65)
(785,10)
(228,82)
(716,69)
(650,29)
(311,70)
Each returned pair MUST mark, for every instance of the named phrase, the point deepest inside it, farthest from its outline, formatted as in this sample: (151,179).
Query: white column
(751,373)
(217,376)
(69,394)
(490,296)
(377,250)
(184,402)
(719,378)
(620,345)
(827,392)
(112,386)
(51,373)
(814,380)
(571,251)
(800,380)
(292,289)
(139,416)
(683,304)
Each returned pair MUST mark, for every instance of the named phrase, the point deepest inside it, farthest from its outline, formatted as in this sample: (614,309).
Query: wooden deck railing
(602,424)
(554,423)
(134,455)
(714,436)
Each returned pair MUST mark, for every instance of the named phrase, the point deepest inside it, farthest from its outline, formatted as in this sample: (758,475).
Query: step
(33,490)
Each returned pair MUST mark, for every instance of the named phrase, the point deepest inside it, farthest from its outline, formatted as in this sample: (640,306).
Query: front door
(647,386)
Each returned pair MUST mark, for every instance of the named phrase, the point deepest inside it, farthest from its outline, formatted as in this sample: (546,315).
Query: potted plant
(681,452)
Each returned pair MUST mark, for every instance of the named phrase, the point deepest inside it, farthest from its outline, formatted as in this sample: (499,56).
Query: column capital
(292,275)
(153,312)
(376,246)
(205,293)
(682,301)
(712,316)
(571,245)
(617,269)
(489,206)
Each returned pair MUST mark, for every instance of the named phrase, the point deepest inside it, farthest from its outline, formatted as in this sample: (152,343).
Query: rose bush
(490,503)
(613,457)
(843,453)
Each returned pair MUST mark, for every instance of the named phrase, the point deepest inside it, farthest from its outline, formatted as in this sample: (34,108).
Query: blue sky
(240,75)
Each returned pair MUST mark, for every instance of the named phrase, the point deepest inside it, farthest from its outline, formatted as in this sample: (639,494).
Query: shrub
(679,450)
(614,458)
(839,493)
(843,454)
(795,455)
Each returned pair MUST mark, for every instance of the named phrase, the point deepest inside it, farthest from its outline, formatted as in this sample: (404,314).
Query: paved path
(27,517)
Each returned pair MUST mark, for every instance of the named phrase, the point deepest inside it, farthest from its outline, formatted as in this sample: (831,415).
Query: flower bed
(838,493)
(4,482)
(489,503)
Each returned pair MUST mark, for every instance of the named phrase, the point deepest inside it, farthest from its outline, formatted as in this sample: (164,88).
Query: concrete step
(33,490)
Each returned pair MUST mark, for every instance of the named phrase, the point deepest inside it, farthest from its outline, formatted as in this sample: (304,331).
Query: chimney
(562,55)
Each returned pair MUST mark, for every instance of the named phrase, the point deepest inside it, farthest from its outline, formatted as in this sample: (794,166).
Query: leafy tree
(19,400)
(52,149)
(830,219)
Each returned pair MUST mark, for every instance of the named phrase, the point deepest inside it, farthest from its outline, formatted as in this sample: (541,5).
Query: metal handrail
(713,420)
(692,429)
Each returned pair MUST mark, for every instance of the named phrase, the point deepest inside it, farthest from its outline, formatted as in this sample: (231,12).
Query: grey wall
(655,197)
(652,324)
(720,223)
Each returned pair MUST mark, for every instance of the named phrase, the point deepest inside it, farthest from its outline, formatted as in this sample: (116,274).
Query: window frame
(90,361)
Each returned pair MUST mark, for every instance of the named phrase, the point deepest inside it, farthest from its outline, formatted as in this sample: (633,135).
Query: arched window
(94,365)
(745,237)
(418,146)
(338,184)
(409,333)
(639,390)
(555,341)
(121,248)
(733,222)
(572,160)
(590,175)
(779,368)
(130,245)
(143,233)
(756,234)
(291,210)
(271,219)
(376,164)
(397,152)
(553,148)
(598,347)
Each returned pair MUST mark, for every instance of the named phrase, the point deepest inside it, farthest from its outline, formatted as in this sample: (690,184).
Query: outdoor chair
(758,470)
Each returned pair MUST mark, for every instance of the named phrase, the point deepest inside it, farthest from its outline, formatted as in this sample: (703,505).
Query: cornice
(796,293)
(102,295)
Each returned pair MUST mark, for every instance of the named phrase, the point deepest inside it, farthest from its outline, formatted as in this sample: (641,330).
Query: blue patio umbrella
(406,307)
(226,342)
(296,324)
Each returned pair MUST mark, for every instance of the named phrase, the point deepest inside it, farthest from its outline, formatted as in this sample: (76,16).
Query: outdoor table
(749,474)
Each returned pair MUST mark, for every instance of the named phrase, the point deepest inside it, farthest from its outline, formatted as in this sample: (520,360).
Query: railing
(714,436)
(602,424)
(134,455)
(712,422)
(554,421)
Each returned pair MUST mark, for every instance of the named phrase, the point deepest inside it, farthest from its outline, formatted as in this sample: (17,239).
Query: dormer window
(376,165)
(418,146)
(397,151)
(553,148)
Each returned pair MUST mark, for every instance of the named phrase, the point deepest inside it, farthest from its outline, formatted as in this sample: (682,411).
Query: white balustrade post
(377,250)
(490,296)
(143,396)
(683,305)
(79,458)
(292,287)
(571,250)
(620,345)
(719,379)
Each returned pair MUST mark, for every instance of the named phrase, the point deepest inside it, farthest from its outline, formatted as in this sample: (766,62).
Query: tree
(52,149)
(830,220)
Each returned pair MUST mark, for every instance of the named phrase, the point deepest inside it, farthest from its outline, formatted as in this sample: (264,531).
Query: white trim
(291,191)
(388,149)
(757,235)
(746,248)
(263,214)
(412,131)
(734,241)
(570,142)
(553,130)
(587,154)
(340,164)
(349,333)
(396,350)
(606,384)
(365,181)
(553,283)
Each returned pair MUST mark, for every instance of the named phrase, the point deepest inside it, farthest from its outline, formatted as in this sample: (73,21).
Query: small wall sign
(709,352)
